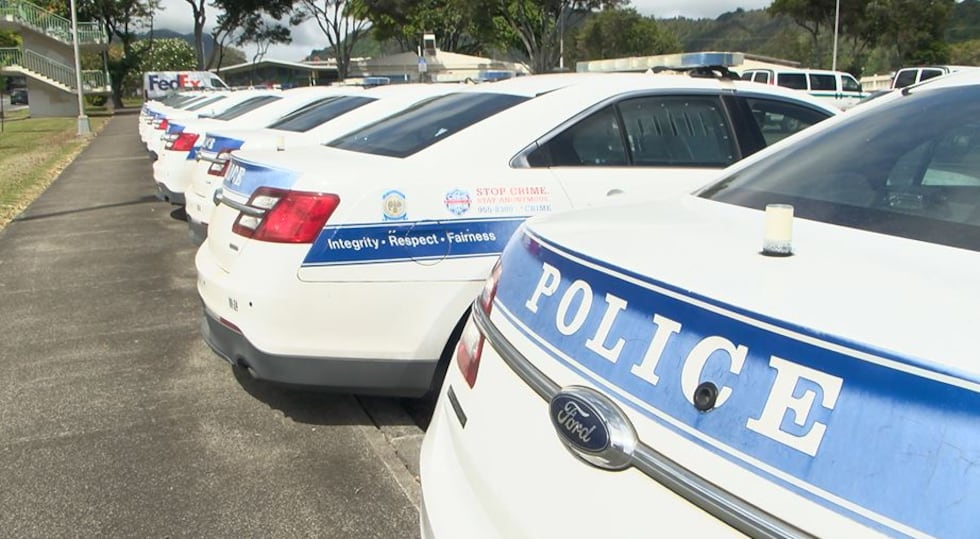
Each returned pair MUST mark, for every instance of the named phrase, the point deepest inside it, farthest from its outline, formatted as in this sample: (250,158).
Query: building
(47,57)
(270,72)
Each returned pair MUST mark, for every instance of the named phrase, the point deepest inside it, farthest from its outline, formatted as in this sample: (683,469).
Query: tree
(534,26)
(918,29)
(404,21)
(122,19)
(343,22)
(200,17)
(249,21)
(814,16)
(617,33)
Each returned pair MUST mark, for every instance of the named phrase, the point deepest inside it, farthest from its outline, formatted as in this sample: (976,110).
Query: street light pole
(84,128)
(836,30)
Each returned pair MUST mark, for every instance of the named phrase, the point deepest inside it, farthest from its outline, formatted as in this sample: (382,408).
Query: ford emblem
(592,427)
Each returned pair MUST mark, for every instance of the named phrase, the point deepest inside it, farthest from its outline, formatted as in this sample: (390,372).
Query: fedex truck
(157,84)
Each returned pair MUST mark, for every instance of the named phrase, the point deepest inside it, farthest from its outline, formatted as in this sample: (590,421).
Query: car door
(641,147)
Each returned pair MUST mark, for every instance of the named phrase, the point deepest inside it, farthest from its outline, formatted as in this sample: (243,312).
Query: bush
(96,100)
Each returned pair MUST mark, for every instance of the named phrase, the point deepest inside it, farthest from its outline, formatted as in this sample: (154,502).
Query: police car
(172,172)
(351,266)
(307,126)
(790,352)
(154,115)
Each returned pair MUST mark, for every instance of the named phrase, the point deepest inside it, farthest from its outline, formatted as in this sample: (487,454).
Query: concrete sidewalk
(116,419)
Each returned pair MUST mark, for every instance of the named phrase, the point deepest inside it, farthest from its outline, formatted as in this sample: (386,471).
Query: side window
(779,119)
(823,83)
(849,84)
(929,74)
(905,77)
(593,141)
(796,81)
(677,131)
(761,76)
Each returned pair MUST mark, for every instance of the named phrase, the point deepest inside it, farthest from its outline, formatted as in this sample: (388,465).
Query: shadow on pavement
(179,214)
(303,406)
(140,200)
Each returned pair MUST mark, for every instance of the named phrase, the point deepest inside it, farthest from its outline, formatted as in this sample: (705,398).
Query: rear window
(201,104)
(796,81)
(425,124)
(246,106)
(873,173)
(320,112)
(905,77)
(930,74)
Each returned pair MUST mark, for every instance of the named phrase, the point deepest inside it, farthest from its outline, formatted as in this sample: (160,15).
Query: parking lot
(117,419)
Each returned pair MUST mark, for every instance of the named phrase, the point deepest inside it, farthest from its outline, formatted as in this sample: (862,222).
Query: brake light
(470,347)
(183,143)
(163,125)
(283,216)
(219,169)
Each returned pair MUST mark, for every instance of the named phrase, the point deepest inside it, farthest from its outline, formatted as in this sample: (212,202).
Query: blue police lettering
(575,307)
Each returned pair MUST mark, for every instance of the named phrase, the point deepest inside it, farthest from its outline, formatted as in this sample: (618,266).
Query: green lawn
(33,151)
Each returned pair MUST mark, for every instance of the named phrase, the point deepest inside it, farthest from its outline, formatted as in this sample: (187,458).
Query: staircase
(29,63)
(36,19)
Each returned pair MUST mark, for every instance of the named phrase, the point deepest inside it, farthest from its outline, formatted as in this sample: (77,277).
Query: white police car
(308,126)
(157,117)
(706,366)
(172,172)
(352,266)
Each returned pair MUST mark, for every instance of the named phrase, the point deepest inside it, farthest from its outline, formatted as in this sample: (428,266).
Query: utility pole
(84,128)
(836,30)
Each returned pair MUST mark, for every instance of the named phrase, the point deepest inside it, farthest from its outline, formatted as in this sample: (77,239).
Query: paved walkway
(116,419)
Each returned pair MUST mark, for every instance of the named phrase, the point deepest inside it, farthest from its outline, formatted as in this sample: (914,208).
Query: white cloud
(177,15)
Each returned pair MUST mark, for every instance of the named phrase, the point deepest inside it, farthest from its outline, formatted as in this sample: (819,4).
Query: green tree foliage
(9,39)
(343,22)
(123,20)
(404,21)
(617,33)
(966,52)
(250,21)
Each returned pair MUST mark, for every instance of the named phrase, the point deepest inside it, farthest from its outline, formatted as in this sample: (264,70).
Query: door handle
(614,191)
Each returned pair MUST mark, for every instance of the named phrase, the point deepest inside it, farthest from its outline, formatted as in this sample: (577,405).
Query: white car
(173,170)
(352,266)
(155,118)
(309,126)
(789,352)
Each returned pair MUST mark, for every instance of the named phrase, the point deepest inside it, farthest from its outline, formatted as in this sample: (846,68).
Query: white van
(842,88)
(157,84)
(908,76)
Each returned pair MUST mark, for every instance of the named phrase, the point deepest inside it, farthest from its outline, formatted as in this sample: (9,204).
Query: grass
(33,152)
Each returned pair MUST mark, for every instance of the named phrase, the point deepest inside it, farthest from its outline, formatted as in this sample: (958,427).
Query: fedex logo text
(158,82)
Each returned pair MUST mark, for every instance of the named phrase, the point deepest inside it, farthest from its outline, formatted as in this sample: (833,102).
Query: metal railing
(93,81)
(46,22)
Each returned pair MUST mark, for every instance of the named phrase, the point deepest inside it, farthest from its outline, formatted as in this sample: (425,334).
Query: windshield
(320,112)
(425,124)
(246,106)
(909,168)
(206,102)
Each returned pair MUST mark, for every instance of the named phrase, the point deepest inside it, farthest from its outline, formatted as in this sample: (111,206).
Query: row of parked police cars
(643,311)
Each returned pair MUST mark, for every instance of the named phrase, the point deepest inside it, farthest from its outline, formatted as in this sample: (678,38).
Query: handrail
(51,24)
(93,81)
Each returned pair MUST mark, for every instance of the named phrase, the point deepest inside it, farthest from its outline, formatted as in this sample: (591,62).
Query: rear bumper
(376,377)
(165,194)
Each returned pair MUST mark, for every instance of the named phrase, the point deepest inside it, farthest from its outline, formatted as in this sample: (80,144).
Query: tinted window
(930,74)
(672,131)
(905,77)
(823,83)
(319,112)
(874,173)
(201,104)
(849,84)
(595,141)
(796,81)
(779,119)
(246,106)
(761,76)
(425,124)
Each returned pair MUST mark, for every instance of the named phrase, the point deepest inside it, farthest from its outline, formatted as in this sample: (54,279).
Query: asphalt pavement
(117,420)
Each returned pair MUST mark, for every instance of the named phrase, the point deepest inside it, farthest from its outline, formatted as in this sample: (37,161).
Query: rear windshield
(206,102)
(425,124)
(246,106)
(873,173)
(320,112)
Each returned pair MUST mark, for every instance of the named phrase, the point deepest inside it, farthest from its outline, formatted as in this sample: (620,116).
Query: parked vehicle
(308,126)
(18,96)
(351,266)
(908,76)
(838,87)
(788,352)
(157,84)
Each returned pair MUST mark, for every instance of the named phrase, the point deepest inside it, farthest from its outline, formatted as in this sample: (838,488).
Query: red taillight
(219,169)
(183,143)
(470,347)
(163,125)
(286,216)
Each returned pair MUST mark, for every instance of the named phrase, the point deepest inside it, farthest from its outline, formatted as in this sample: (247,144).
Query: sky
(176,15)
